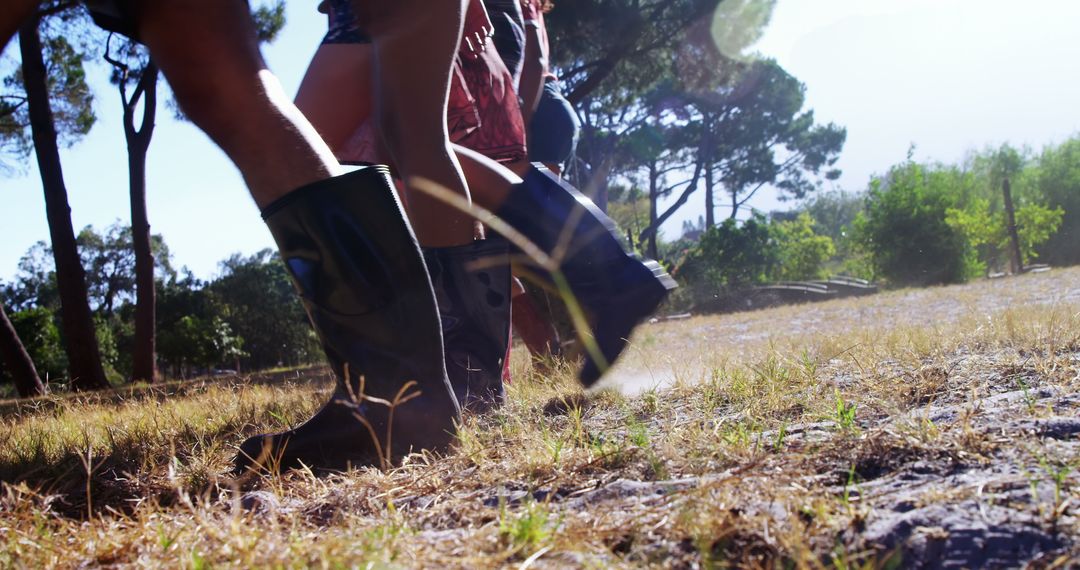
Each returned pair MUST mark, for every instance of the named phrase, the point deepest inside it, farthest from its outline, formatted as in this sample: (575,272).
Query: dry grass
(771,438)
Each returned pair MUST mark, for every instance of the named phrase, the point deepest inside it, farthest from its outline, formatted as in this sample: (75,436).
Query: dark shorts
(116,16)
(509,34)
(113,16)
(554,128)
(344,28)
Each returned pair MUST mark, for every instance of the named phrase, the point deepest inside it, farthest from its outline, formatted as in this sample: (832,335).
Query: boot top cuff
(306,192)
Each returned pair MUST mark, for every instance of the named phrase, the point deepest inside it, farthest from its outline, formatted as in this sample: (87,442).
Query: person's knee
(215,107)
(209,55)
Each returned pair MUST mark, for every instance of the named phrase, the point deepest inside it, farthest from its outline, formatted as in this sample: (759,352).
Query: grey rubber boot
(360,272)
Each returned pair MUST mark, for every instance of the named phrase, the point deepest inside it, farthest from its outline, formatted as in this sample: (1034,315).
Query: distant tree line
(246,318)
(46,103)
(915,225)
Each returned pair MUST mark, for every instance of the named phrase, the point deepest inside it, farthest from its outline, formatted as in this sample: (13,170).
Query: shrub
(905,228)
(801,253)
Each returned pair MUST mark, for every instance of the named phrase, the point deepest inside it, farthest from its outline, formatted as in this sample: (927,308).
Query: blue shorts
(554,128)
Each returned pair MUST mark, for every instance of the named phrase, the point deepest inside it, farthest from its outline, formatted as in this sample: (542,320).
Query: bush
(39,334)
(801,253)
(905,228)
(733,256)
(1058,186)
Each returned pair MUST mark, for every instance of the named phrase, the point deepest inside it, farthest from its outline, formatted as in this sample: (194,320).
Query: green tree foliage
(656,157)
(249,316)
(1037,224)
(614,59)
(64,42)
(1056,180)
(16,362)
(37,329)
(35,281)
(801,252)
(198,342)
(70,95)
(109,260)
(731,255)
(269,20)
(981,226)
(613,50)
(744,134)
(906,230)
(755,134)
(1039,214)
(189,324)
(932,224)
(834,213)
(264,310)
(629,208)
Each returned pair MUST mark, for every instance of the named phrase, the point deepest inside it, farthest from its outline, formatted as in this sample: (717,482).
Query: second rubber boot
(472,288)
(362,279)
(614,288)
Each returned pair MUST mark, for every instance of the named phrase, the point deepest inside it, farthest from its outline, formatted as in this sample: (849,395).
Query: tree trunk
(80,338)
(144,365)
(710,204)
(1017,259)
(708,150)
(596,188)
(17,360)
(654,197)
(654,225)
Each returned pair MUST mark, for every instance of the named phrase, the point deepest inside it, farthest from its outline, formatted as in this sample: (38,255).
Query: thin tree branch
(651,229)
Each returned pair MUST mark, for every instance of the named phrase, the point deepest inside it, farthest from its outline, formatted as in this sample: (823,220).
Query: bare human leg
(210,56)
(336,92)
(343,239)
(414,44)
(466,278)
(336,96)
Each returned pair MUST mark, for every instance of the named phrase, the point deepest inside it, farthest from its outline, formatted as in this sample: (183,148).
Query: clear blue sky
(947,75)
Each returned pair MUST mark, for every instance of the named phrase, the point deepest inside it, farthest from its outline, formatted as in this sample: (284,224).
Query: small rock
(259,502)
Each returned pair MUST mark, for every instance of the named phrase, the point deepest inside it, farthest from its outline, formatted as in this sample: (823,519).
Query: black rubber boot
(472,288)
(615,289)
(358,268)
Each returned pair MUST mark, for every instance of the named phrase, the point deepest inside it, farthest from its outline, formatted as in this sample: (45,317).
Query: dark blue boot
(472,288)
(616,290)
(358,268)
